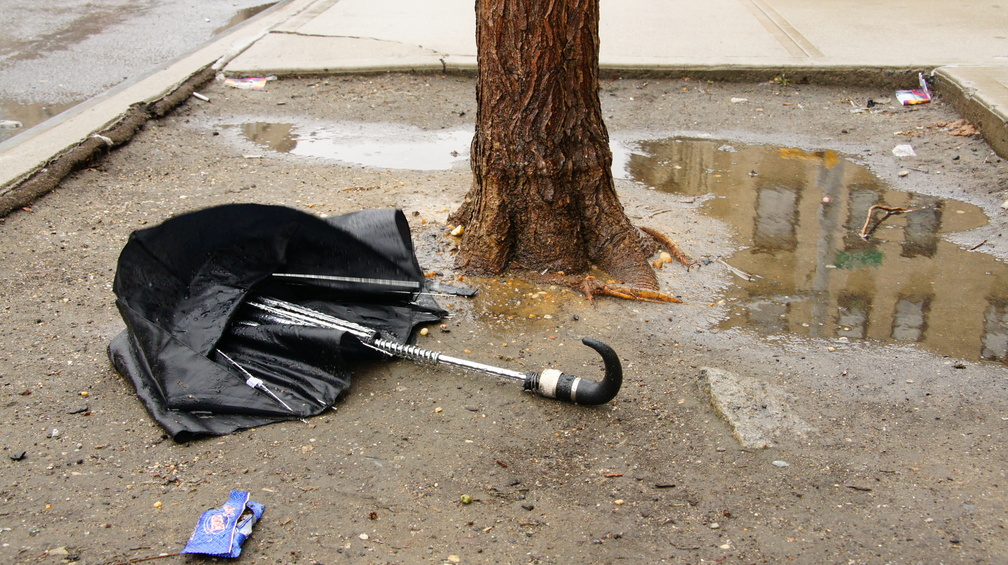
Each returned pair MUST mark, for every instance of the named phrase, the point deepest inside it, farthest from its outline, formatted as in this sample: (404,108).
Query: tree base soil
(899,456)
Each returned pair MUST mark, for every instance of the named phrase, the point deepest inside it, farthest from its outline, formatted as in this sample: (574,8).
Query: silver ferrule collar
(574,387)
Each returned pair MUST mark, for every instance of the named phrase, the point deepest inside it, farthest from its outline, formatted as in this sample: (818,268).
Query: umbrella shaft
(489,369)
(421,355)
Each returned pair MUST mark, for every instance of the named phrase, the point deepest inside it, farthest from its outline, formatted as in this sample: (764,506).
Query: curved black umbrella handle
(555,384)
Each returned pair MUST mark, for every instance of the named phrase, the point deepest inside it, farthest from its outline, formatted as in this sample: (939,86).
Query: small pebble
(714,525)
(364,537)
(157,504)
(903,173)
(779,463)
(424,331)
(77,408)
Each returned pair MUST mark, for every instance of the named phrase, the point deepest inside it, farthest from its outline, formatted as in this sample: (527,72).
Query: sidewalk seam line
(781,29)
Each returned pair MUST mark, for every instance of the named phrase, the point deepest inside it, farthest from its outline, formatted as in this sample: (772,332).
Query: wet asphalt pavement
(56,54)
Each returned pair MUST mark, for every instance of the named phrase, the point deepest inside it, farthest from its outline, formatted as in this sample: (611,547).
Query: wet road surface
(56,54)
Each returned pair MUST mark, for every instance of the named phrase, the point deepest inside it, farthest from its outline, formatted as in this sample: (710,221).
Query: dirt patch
(906,463)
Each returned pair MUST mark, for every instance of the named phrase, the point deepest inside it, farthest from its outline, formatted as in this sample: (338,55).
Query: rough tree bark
(543,194)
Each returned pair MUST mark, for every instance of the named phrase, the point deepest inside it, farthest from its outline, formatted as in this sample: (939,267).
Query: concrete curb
(35,161)
(975,93)
(832,75)
(46,177)
(418,60)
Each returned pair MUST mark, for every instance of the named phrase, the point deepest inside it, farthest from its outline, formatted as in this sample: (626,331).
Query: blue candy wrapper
(221,531)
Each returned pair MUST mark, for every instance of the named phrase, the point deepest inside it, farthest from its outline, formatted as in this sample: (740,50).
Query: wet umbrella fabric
(180,287)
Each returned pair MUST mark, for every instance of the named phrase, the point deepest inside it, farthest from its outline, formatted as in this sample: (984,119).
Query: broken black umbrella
(203,366)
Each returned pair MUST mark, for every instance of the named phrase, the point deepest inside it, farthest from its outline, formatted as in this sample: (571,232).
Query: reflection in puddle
(385,146)
(799,215)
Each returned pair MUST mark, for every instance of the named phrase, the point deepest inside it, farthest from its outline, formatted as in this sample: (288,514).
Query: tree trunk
(543,194)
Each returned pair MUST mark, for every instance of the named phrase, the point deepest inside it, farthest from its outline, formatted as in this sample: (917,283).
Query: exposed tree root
(592,287)
(671,246)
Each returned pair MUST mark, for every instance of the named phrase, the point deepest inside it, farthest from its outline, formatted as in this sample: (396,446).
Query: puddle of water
(16,117)
(384,146)
(798,216)
(242,15)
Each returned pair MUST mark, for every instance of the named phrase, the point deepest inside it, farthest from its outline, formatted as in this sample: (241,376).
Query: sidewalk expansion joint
(782,30)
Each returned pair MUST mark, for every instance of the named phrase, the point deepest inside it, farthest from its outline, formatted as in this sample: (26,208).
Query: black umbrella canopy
(181,286)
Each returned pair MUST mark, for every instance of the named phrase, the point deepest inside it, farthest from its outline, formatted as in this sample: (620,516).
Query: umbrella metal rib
(253,381)
(306,277)
(287,312)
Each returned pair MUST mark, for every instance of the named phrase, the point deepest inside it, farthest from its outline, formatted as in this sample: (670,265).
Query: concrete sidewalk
(853,41)
(381,35)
